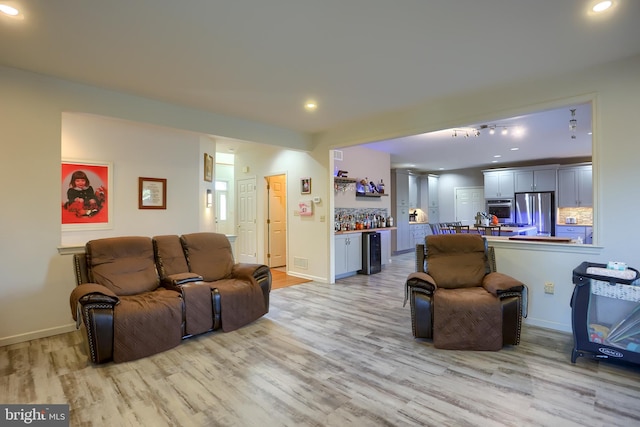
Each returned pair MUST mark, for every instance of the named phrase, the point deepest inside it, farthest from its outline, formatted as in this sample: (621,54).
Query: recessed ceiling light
(601,6)
(8,10)
(497,156)
(494,161)
(310,105)
(515,149)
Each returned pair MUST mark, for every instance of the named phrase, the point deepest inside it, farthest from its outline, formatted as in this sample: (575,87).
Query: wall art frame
(86,190)
(208,167)
(152,193)
(305,185)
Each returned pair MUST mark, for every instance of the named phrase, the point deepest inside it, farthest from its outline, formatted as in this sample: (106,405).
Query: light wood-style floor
(280,279)
(328,355)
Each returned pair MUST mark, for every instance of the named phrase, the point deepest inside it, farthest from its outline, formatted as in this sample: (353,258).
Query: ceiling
(261,60)
(541,137)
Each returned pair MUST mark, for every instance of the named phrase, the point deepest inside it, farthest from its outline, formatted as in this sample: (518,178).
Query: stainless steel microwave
(502,209)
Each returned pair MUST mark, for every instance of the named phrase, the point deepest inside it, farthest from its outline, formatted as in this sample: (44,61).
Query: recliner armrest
(419,280)
(423,280)
(87,293)
(246,270)
(497,283)
(174,281)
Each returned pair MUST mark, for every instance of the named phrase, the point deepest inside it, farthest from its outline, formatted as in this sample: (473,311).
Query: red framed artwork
(85,195)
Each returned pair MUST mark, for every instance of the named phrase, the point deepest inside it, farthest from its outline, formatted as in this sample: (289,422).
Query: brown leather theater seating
(137,296)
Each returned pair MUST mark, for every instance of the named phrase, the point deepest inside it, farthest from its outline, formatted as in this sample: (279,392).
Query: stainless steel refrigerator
(536,209)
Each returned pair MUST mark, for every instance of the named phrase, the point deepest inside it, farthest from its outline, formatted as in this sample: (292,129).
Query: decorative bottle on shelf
(390,221)
(381,187)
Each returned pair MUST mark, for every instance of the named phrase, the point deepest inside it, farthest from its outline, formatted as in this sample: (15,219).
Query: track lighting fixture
(477,131)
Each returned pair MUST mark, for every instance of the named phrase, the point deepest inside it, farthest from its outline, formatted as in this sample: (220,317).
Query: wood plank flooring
(280,279)
(327,355)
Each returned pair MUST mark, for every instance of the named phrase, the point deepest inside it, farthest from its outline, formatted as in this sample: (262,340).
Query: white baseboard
(548,325)
(307,276)
(43,333)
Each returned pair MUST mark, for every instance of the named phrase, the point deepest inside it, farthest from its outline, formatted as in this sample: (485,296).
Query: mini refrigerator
(371,253)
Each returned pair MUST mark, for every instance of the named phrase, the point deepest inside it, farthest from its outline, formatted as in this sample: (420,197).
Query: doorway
(469,201)
(247,237)
(277,221)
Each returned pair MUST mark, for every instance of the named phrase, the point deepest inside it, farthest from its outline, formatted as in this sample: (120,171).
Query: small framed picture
(152,193)
(208,167)
(305,185)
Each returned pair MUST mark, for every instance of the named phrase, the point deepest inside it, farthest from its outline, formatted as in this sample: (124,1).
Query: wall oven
(502,209)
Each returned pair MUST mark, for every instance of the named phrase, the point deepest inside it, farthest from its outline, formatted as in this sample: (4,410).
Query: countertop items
(552,239)
(365,231)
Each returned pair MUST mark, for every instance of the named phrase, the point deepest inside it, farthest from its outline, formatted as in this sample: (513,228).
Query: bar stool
(491,229)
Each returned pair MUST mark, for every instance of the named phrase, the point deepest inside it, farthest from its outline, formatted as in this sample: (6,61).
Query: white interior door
(469,201)
(277,221)
(247,243)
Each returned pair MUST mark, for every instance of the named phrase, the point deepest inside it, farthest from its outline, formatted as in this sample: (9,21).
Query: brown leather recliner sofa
(137,296)
(459,300)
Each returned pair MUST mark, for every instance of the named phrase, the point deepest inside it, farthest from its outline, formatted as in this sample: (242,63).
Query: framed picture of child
(85,195)
(305,185)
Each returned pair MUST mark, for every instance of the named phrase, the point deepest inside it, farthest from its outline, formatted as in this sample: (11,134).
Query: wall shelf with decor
(359,194)
(342,183)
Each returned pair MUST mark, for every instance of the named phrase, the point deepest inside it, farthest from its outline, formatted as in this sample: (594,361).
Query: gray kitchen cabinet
(418,233)
(414,191)
(385,246)
(401,238)
(433,215)
(588,235)
(424,192)
(574,232)
(498,184)
(575,187)
(400,188)
(348,254)
(432,182)
(527,180)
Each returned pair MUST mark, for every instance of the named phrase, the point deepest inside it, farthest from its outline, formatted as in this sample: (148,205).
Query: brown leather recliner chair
(119,301)
(459,300)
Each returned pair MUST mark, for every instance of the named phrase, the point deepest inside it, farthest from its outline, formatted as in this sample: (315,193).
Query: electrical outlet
(549,288)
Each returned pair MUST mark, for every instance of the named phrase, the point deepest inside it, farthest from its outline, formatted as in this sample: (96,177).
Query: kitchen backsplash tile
(584,216)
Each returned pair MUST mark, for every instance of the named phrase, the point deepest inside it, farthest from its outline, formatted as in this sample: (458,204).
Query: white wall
(137,150)
(615,91)
(306,235)
(447,185)
(362,162)
(35,281)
